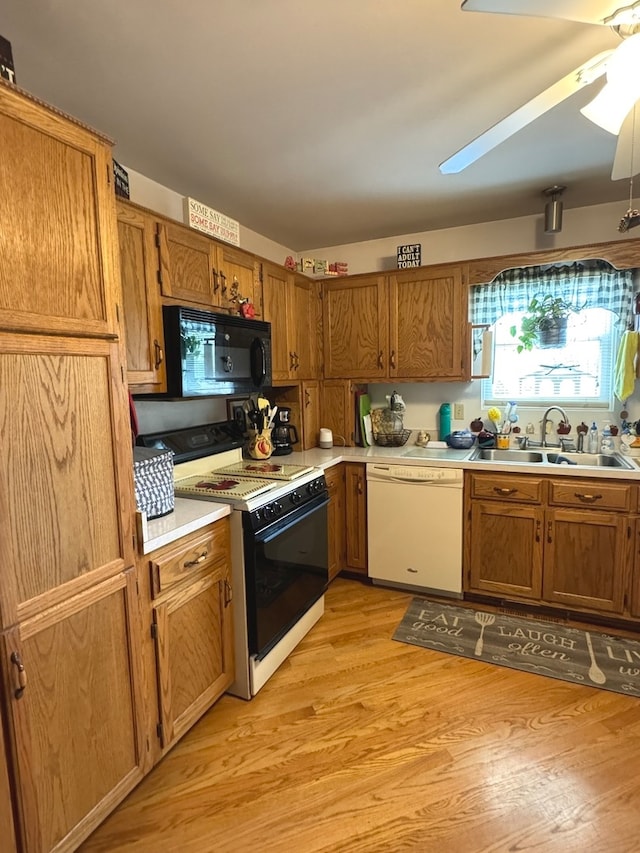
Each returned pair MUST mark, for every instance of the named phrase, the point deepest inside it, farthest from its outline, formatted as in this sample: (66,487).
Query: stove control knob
(278,508)
(295,497)
(269,511)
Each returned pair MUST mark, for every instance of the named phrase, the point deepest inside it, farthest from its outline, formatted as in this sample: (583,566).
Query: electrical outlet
(458,412)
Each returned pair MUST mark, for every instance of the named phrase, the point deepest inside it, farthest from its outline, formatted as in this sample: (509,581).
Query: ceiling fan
(613,108)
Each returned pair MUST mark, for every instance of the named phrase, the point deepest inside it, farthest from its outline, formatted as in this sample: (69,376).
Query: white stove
(279,553)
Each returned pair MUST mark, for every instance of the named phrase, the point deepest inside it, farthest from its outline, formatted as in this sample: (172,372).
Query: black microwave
(211,354)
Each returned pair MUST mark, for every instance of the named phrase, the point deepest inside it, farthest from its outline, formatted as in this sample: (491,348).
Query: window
(578,372)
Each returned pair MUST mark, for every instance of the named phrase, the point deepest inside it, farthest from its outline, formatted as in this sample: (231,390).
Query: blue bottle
(444,428)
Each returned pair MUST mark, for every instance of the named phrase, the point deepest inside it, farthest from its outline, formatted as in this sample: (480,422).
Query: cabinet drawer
(175,562)
(504,487)
(592,493)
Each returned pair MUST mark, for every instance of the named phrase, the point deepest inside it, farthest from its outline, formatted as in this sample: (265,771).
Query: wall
(163,200)
(581,226)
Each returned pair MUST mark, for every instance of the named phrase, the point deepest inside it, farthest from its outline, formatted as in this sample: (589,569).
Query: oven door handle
(271,531)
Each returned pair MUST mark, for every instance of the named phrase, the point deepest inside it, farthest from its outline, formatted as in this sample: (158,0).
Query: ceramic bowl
(460,439)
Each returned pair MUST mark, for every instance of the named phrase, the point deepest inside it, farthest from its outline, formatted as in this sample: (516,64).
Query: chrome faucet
(545,421)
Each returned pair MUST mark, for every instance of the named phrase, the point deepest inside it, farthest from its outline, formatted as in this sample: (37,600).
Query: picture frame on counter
(237,412)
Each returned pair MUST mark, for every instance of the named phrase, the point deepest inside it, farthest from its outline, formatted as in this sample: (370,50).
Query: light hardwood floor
(360,743)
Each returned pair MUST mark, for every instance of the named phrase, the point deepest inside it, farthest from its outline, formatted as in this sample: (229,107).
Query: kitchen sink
(545,457)
(492,455)
(592,460)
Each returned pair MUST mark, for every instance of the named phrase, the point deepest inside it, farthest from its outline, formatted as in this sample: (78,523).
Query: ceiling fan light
(611,106)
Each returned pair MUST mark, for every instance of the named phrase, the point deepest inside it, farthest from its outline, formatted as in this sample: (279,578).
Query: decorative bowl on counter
(461,439)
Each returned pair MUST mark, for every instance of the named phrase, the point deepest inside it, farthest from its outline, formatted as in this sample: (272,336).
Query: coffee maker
(284,434)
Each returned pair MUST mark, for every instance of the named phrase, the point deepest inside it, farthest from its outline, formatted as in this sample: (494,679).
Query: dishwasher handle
(415,475)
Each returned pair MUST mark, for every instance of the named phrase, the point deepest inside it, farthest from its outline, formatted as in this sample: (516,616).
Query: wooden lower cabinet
(336,518)
(73,687)
(505,549)
(190,624)
(564,543)
(356,517)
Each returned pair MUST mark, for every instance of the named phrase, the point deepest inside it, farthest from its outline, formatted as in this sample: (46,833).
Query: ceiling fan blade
(584,11)
(542,103)
(627,160)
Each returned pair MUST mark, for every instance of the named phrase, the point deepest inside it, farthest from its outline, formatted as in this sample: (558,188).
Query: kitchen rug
(532,645)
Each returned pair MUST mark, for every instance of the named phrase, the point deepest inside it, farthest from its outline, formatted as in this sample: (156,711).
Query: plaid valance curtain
(590,285)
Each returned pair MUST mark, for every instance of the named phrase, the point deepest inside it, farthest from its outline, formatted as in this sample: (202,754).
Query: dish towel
(624,374)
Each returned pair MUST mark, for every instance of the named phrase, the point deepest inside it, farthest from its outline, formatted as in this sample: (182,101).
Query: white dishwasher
(414,519)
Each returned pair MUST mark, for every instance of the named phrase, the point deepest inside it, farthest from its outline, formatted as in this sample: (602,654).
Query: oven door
(287,570)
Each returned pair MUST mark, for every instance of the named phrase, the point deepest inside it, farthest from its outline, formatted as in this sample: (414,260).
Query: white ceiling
(322,122)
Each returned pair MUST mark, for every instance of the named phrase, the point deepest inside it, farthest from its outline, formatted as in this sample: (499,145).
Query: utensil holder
(260,444)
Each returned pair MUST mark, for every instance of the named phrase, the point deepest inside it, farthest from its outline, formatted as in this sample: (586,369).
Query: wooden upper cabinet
(141,299)
(276,285)
(242,269)
(67,485)
(356,342)
(189,265)
(305,327)
(428,324)
(58,244)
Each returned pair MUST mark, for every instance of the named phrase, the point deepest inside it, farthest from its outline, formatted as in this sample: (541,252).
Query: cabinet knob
(307,398)
(393,359)
(549,531)
(216,283)
(587,499)
(16,660)
(228,593)
(380,362)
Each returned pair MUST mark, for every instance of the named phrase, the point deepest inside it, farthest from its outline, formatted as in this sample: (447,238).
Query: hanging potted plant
(545,323)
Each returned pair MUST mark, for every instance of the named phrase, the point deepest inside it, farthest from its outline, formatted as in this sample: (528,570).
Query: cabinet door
(585,559)
(74,713)
(356,517)
(634,581)
(66,483)
(276,289)
(336,518)
(141,299)
(58,240)
(240,276)
(311,423)
(194,651)
(338,412)
(356,344)
(505,549)
(428,324)
(305,307)
(188,268)
(6,813)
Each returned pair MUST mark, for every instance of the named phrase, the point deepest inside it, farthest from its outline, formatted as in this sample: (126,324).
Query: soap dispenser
(593,438)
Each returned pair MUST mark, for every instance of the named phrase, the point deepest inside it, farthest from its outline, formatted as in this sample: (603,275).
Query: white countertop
(188,515)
